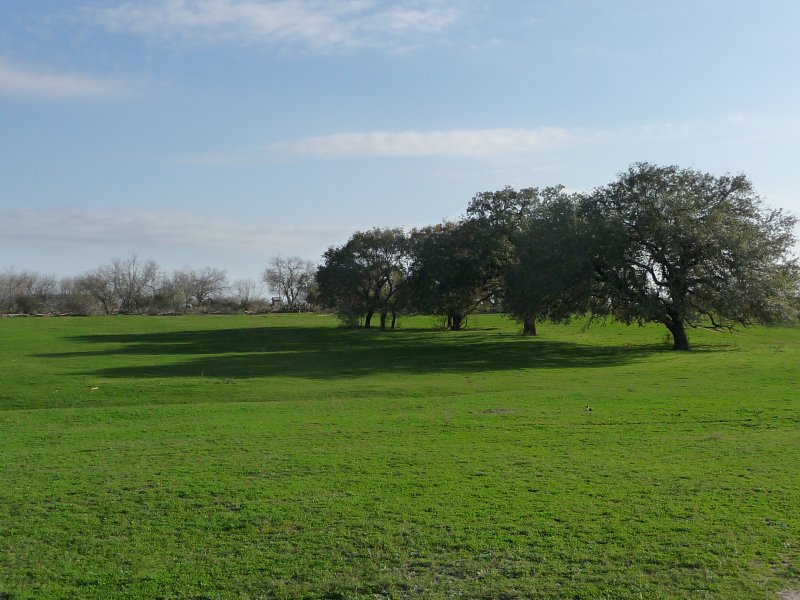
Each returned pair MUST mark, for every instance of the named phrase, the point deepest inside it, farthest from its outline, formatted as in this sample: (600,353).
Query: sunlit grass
(282,456)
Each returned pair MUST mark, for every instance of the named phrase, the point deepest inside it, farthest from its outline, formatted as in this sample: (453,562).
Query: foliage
(660,244)
(508,210)
(455,268)
(551,275)
(365,276)
(680,247)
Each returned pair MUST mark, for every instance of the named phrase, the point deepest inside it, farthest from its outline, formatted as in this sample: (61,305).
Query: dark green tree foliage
(551,275)
(365,276)
(506,211)
(454,269)
(500,216)
(680,247)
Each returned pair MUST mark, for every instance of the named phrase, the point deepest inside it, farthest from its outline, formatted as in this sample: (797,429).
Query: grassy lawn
(282,456)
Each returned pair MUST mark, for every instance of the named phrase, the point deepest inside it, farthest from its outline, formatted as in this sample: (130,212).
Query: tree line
(133,285)
(659,244)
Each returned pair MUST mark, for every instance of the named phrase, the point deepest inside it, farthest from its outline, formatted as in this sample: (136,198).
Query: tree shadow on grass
(327,353)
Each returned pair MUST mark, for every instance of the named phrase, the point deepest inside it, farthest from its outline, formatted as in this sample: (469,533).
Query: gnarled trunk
(678,331)
(529,326)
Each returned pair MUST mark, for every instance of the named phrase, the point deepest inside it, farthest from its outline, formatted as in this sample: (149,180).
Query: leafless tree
(289,277)
(170,291)
(12,285)
(133,281)
(247,292)
(26,291)
(70,298)
(99,285)
(203,284)
(121,285)
(42,287)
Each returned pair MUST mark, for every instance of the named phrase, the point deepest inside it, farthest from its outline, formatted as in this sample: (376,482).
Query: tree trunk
(678,331)
(394,319)
(456,320)
(529,326)
(383,321)
(367,320)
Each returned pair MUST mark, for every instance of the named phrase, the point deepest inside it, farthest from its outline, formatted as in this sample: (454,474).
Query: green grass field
(282,456)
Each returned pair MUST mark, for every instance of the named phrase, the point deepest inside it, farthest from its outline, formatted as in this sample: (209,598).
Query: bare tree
(289,277)
(42,287)
(9,282)
(203,284)
(99,285)
(133,281)
(171,291)
(247,292)
(26,291)
(70,297)
(121,285)
(11,286)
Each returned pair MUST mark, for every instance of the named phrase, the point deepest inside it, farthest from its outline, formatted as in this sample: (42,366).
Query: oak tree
(685,248)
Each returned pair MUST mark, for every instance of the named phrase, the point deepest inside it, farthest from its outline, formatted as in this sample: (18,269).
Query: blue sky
(223,132)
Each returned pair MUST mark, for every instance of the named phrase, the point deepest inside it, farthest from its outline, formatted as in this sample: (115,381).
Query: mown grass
(281,456)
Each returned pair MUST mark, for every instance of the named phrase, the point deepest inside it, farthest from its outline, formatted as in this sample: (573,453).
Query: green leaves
(366,275)
(684,247)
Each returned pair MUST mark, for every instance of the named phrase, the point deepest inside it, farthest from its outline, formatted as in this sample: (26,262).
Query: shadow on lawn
(328,353)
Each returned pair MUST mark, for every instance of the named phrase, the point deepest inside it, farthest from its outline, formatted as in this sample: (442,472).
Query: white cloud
(51,85)
(455,143)
(124,232)
(458,143)
(316,24)
(507,143)
(69,242)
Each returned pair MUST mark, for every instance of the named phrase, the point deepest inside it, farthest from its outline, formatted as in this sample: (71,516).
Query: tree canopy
(658,244)
(681,247)
(365,276)
(455,268)
(550,275)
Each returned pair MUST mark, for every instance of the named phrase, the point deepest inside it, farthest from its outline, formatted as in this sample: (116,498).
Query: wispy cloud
(46,84)
(458,143)
(507,143)
(315,24)
(121,231)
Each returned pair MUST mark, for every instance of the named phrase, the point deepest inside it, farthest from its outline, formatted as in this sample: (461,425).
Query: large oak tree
(365,276)
(685,248)
(550,275)
(455,268)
